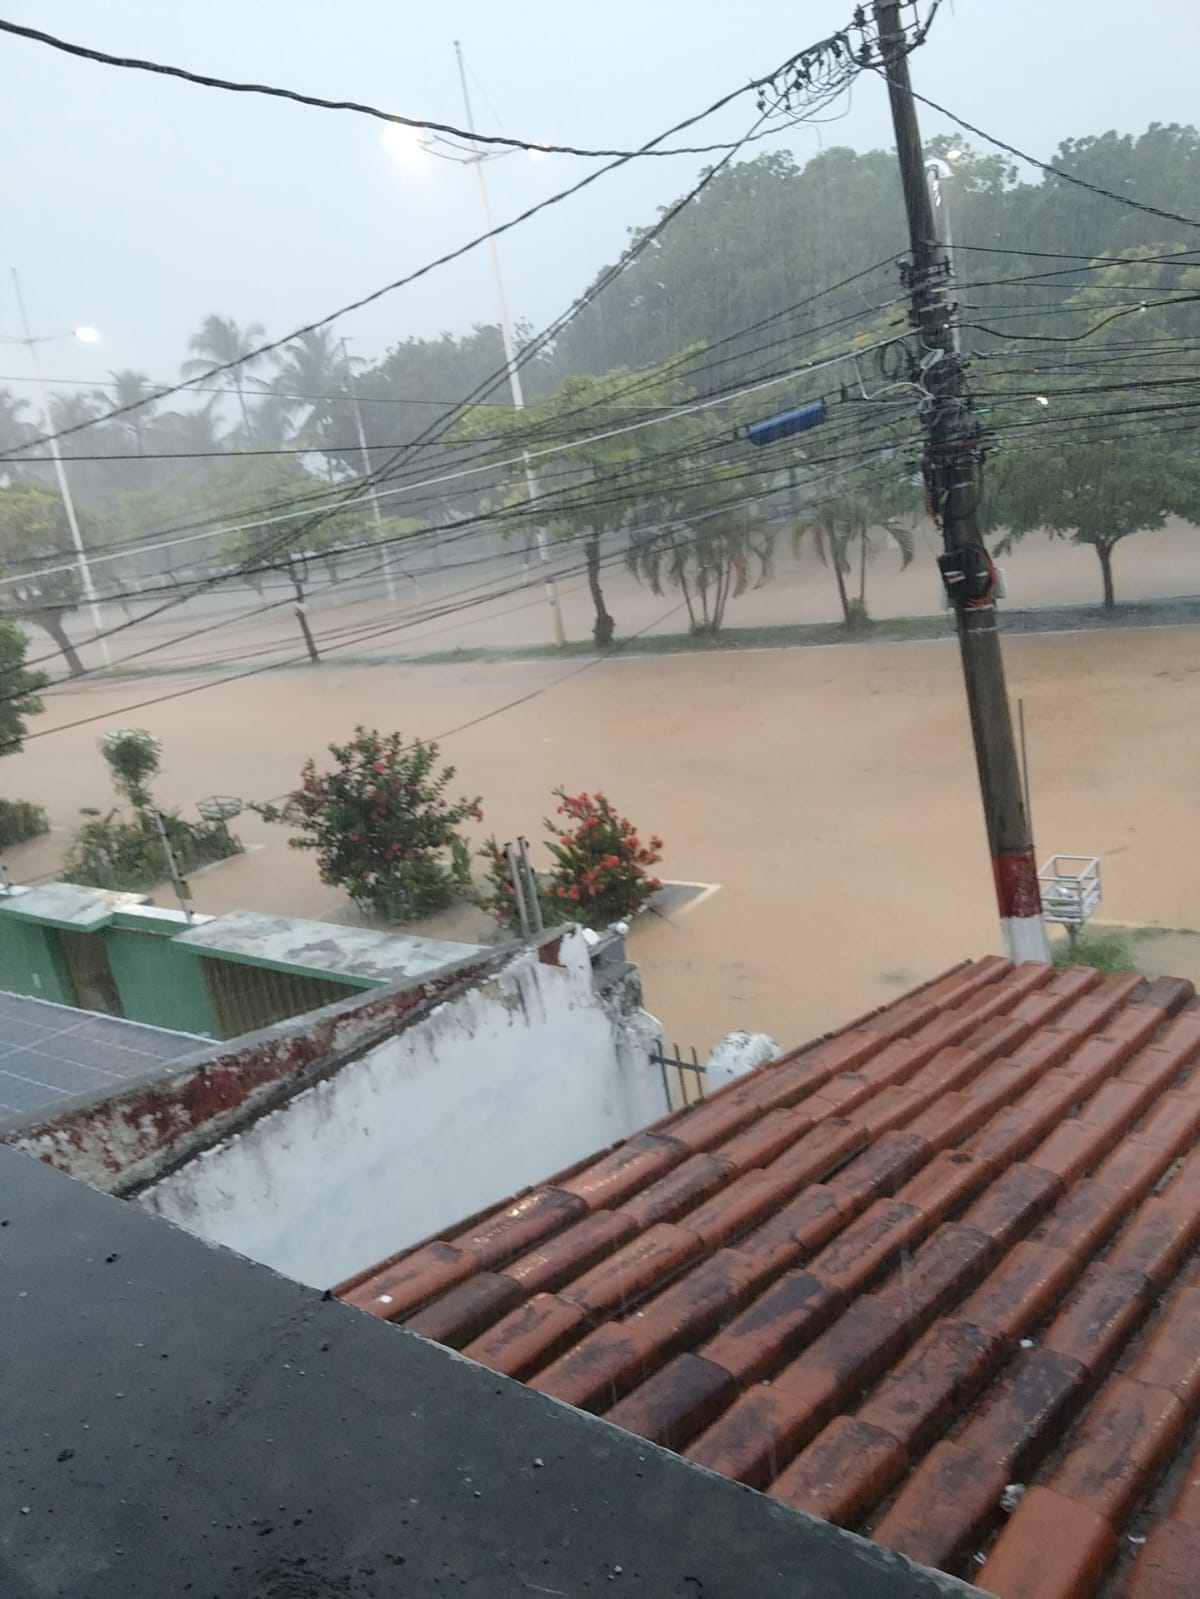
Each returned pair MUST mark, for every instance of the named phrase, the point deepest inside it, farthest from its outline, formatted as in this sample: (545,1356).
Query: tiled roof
(938,1265)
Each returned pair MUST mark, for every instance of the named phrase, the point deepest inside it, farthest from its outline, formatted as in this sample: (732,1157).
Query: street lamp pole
(937,171)
(372,493)
(60,473)
(510,358)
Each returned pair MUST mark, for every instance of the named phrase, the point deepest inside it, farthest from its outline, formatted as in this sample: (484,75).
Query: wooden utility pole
(951,476)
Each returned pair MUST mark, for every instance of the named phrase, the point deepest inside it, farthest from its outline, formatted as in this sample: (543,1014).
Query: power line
(1046,166)
(411,277)
(361,108)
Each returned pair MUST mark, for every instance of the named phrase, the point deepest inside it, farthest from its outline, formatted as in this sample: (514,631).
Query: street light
(402,144)
(368,478)
(85,335)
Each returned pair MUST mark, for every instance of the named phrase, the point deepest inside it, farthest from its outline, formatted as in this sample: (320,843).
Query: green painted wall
(31,961)
(158,982)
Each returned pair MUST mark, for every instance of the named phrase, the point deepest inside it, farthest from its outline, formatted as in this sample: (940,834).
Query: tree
(19,689)
(1094,494)
(132,388)
(309,390)
(35,548)
(220,342)
(600,481)
(277,500)
(1129,470)
(14,431)
(846,515)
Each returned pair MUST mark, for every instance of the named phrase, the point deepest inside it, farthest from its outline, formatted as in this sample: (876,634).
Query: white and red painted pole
(951,469)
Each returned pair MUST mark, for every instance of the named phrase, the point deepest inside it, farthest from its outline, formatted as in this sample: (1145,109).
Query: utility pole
(951,476)
(510,354)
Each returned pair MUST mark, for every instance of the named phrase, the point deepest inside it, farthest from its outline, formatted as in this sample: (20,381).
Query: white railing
(1071,889)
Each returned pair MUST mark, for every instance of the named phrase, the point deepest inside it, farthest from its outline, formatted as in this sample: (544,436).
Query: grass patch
(1107,952)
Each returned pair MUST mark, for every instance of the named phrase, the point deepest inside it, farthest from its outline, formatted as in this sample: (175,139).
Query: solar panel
(49,1054)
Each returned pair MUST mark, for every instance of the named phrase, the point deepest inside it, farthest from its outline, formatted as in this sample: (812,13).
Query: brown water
(829,792)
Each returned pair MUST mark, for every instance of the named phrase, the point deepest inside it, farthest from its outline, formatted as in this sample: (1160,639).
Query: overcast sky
(139,204)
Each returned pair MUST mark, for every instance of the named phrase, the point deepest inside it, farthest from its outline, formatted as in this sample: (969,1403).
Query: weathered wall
(31,961)
(121,1142)
(522,1074)
(159,982)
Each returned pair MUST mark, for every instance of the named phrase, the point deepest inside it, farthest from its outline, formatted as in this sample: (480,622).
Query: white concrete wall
(489,1093)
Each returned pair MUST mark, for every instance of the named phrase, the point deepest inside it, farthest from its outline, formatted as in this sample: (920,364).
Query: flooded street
(830,792)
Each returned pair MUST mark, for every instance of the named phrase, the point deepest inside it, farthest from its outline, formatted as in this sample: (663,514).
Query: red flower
(353,837)
(379,767)
(633,841)
(565,842)
(573,891)
(561,892)
(655,882)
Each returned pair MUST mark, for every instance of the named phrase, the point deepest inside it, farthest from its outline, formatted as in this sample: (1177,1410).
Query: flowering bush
(600,866)
(381,825)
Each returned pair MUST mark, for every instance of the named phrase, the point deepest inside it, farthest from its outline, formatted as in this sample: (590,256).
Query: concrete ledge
(180,1420)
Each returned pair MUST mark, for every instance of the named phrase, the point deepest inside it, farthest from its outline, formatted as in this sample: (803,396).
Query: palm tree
(310,383)
(847,515)
(220,342)
(14,430)
(130,388)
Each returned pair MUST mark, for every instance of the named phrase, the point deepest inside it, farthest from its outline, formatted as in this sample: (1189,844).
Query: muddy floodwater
(829,792)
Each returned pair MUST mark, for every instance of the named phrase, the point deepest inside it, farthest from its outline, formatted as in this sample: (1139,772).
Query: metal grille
(245,998)
(684,1078)
(86,955)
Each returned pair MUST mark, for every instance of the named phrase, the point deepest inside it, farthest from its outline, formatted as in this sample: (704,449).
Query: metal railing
(685,1080)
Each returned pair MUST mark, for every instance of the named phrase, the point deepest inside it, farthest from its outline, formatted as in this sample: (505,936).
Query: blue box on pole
(787,423)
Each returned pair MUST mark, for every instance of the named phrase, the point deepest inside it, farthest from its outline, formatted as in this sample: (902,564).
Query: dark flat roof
(178,1420)
(50,1054)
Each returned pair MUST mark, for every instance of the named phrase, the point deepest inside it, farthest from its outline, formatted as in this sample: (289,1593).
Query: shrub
(126,853)
(381,825)
(20,820)
(599,873)
(133,757)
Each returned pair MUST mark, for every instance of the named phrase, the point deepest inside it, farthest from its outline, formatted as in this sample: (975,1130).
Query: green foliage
(125,852)
(19,820)
(381,826)
(19,688)
(611,477)
(599,872)
(35,549)
(1107,952)
(133,756)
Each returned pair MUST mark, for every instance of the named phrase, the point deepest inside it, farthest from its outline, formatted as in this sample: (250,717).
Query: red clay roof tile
(941,1373)
(1099,1316)
(1167,1566)
(675,1404)
(466,1310)
(844,1471)
(1051,1549)
(954,1247)
(1126,1438)
(625,1169)
(567,1254)
(529,1337)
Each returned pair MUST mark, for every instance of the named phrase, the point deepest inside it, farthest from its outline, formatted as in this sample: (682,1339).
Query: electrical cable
(1046,166)
(361,108)
(411,277)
